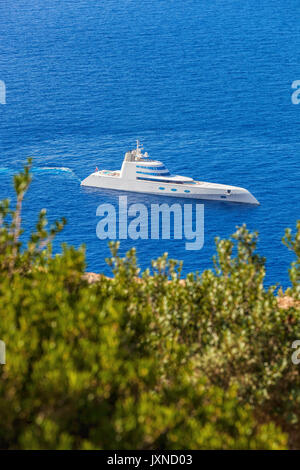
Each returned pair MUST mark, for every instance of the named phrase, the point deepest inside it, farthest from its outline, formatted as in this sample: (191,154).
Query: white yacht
(142,175)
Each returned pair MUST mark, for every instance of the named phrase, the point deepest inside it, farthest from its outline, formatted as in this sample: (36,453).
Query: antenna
(138,147)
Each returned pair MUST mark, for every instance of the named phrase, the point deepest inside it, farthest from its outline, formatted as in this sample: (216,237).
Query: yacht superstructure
(141,174)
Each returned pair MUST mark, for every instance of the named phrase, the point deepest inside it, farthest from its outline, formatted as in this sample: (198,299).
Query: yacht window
(161,167)
(167,173)
(159,180)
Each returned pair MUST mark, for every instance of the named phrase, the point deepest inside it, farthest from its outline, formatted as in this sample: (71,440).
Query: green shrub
(293,243)
(225,323)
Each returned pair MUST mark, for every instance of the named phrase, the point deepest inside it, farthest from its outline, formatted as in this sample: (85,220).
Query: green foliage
(293,243)
(225,323)
(12,259)
(143,361)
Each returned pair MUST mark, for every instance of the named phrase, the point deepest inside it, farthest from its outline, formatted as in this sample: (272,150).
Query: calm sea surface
(206,86)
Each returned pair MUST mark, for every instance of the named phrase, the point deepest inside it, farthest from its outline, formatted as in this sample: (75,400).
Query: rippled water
(205,85)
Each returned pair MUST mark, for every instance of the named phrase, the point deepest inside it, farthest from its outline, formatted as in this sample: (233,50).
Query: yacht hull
(198,190)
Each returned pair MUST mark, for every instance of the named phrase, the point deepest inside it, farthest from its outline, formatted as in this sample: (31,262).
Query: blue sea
(205,85)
